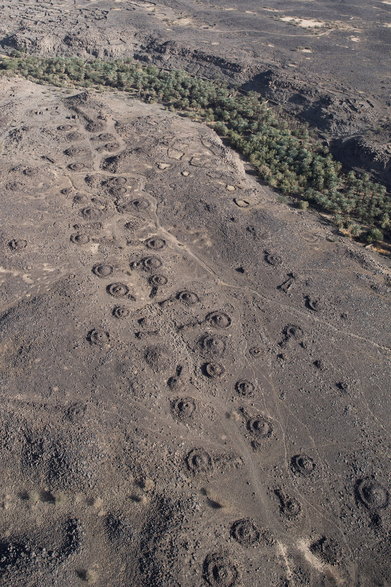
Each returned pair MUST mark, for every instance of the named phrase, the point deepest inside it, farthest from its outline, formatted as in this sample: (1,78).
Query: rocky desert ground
(195,376)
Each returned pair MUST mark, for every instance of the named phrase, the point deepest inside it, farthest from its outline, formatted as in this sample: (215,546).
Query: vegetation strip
(285,158)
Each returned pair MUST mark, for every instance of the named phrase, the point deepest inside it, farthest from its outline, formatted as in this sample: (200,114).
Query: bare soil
(194,376)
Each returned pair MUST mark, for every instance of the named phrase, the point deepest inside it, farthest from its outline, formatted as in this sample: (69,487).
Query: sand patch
(305,23)
(185,21)
(318,25)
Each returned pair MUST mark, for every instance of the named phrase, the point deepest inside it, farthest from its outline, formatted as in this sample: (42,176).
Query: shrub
(374,235)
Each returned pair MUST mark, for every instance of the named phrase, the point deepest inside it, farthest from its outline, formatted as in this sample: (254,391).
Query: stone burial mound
(194,376)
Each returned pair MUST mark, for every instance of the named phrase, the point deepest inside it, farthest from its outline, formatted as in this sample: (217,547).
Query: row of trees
(287,159)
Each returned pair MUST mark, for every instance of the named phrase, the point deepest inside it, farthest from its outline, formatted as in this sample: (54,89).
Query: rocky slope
(195,377)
